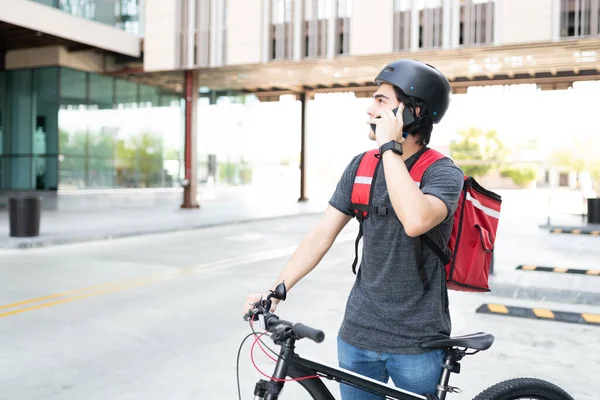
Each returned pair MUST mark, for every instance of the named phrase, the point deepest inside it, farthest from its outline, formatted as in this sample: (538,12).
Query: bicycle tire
(529,388)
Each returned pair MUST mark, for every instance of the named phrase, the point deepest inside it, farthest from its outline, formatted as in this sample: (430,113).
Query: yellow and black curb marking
(540,313)
(592,272)
(576,231)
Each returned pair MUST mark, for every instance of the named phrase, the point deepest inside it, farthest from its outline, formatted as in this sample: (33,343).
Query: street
(160,316)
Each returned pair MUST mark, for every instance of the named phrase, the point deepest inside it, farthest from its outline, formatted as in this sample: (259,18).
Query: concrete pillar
(191,154)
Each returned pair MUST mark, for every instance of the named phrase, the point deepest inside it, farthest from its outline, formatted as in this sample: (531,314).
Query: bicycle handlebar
(273,324)
(302,330)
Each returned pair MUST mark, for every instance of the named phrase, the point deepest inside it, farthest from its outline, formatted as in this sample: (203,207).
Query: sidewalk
(523,238)
(110,214)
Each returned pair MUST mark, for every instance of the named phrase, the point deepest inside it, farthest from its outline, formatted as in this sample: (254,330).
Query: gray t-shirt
(388,309)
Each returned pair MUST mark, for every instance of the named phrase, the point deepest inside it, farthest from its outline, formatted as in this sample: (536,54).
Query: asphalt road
(159,317)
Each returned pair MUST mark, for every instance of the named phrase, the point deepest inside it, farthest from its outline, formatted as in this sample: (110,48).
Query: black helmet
(422,81)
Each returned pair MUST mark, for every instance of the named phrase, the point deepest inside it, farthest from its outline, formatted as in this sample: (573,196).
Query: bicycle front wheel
(524,388)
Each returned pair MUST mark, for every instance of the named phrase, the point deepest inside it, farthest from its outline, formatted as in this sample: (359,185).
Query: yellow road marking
(69,299)
(595,233)
(498,308)
(593,272)
(542,313)
(69,292)
(592,318)
(156,277)
(529,267)
(576,231)
(557,230)
(558,269)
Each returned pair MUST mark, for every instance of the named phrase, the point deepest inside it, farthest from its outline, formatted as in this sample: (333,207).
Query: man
(389,310)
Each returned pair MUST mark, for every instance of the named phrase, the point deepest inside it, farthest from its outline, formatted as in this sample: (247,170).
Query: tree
(579,156)
(140,160)
(481,151)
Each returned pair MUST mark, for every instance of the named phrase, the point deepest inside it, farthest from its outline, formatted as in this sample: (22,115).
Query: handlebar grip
(304,331)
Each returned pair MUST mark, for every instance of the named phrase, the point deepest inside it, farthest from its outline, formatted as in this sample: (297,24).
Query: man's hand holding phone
(389,126)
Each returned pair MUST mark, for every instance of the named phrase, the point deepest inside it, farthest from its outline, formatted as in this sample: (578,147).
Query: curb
(540,313)
(592,272)
(574,231)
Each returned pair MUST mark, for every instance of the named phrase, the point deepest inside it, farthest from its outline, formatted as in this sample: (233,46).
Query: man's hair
(423,126)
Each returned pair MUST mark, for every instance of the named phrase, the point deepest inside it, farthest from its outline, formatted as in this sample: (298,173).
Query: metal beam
(191,104)
(303,97)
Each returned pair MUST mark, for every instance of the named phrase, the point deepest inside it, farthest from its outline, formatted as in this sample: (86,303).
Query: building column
(332,16)
(455,31)
(191,34)
(216,17)
(446,24)
(498,27)
(298,21)
(191,154)
(266,30)
(303,97)
(415,24)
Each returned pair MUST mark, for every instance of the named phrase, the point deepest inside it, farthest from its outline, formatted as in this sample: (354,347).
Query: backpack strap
(362,191)
(428,157)
(364,182)
(416,172)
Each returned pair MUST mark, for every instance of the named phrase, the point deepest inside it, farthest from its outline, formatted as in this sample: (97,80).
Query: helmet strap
(412,104)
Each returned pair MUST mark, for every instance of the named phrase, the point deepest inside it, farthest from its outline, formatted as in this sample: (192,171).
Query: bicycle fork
(265,390)
(260,389)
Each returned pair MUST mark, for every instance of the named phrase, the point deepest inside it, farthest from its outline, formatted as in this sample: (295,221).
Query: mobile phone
(407,118)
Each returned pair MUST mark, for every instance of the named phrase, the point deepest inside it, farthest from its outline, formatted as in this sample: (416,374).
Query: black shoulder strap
(443,255)
(360,234)
(418,249)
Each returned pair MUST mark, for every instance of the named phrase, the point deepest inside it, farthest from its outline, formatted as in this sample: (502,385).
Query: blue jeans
(418,373)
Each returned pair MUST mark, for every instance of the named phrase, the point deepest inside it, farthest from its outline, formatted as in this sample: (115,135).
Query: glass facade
(28,129)
(123,14)
(66,129)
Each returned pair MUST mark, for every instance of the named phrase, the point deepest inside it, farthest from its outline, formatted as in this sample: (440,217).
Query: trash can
(24,215)
(593,206)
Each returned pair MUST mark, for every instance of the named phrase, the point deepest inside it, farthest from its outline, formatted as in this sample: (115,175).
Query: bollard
(593,206)
(24,215)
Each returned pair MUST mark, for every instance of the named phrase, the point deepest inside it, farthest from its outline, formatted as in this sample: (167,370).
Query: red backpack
(468,255)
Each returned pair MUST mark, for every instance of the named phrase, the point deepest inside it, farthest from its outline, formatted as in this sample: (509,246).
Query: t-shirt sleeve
(342,196)
(444,180)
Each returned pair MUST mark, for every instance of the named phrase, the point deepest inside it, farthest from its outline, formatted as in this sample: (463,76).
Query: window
(476,22)
(127,13)
(431,16)
(402,13)
(281,30)
(579,18)
(202,42)
(344,13)
(315,28)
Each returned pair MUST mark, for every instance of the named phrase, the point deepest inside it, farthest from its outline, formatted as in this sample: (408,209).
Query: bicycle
(309,373)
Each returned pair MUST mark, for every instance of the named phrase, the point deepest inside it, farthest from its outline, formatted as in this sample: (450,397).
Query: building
(105,93)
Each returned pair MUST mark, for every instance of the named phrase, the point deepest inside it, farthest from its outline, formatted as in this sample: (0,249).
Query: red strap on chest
(425,160)
(365,174)
(361,190)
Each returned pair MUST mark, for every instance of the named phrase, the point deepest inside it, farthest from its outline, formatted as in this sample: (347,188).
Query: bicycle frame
(292,365)
(304,367)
